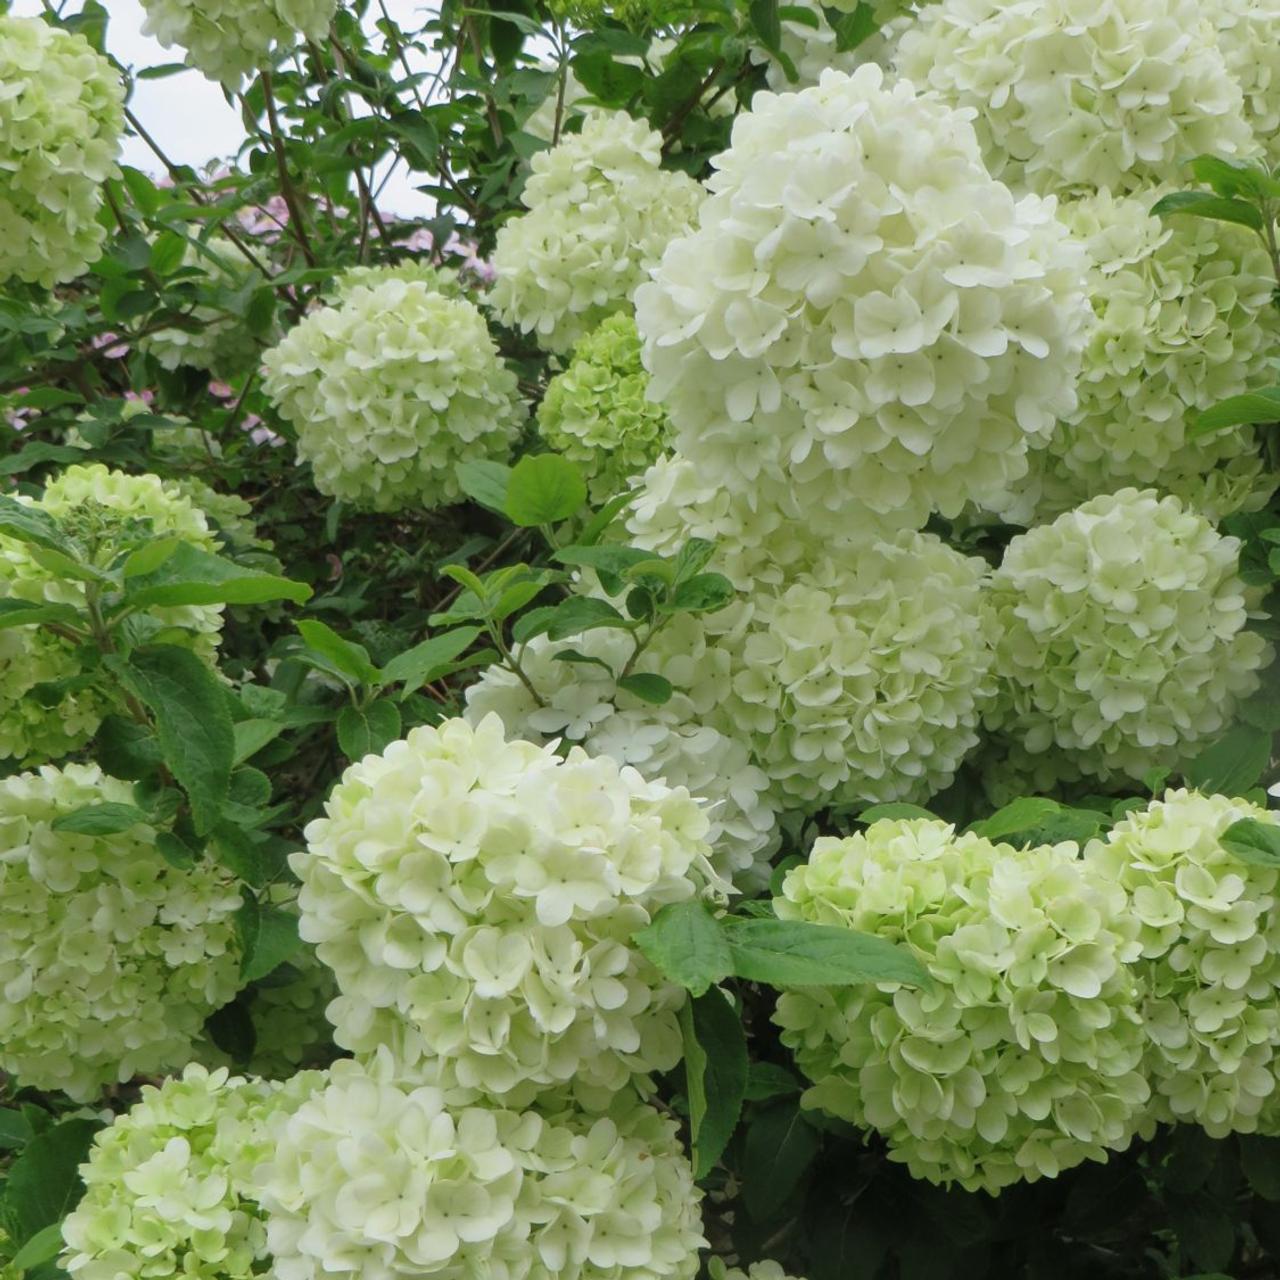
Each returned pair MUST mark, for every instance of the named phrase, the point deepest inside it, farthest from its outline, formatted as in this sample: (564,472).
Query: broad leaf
(100,819)
(715,1067)
(685,944)
(544,489)
(1254,842)
(31,525)
(795,953)
(647,687)
(366,730)
(424,662)
(1232,763)
(780,1147)
(486,482)
(346,658)
(189,576)
(268,937)
(1250,409)
(44,1182)
(1201,204)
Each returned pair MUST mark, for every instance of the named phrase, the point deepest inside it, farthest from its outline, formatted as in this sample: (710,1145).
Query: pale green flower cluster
(1121,634)
(1249,37)
(229,40)
(99,508)
(1183,319)
(378,1179)
(110,958)
(390,389)
(1209,933)
(1023,1056)
(596,412)
(476,898)
(61,120)
(864,316)
(1111,94)
(582,704)
(170,1187)
(601,210)
(765,1270)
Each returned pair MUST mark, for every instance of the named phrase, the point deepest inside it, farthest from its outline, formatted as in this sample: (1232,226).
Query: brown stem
(297,222)
(491,107)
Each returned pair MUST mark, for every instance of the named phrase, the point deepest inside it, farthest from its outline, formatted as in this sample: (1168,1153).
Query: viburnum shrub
(638,640)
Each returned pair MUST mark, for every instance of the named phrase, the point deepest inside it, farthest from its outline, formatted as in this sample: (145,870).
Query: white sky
(189,117)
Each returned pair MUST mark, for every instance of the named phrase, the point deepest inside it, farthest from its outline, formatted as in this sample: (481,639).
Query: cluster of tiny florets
(601,210)
(476,898)
(375,1178)
(110,958)
(390,389)
(61,120)
(1023,1055)
(1114,94)
(229,40)
(1122,634)
(597,412)
(102,511)
(864,313)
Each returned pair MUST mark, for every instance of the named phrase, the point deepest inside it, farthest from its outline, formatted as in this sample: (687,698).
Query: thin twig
(297,222)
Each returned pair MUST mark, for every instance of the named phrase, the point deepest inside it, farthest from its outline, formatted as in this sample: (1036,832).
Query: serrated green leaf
(1232,763)
(268,937)
(486,482)
(685,943)
(190,576)
(715,1064)
(544,489)
(781,1145)
(100,819)
(367,730)
(795,953)
(1254,842)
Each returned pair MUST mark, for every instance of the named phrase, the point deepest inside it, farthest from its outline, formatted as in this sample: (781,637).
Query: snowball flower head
(1121,634)
(582,704)
(103,512)
(61,119)
(596,412)
(476,897)
(375,1179)
(1023,1057)
(863,313)
(1248,33)
(170,1187)
(1183,320)
(1111,94)
(390,389)
(228,40)
(1210,927)
(600,212)
(110,958)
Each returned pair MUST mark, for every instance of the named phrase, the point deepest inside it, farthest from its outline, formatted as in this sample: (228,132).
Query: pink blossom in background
(110,345)
(19,418)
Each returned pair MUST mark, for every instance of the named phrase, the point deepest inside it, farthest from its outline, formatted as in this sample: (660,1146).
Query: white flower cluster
(376,1179)
(170,1187)
(1183,319)
(1210,938)
(228,40)
(1023,1057)
(1111,94)
(61,120)
(601,210)
(97,507)
(1121,634)
(1249,37)
(476,898)
(110,958)
(390,389)
(863,313)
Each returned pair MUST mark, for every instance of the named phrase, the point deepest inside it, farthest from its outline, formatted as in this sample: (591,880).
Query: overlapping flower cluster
(391,388)
(378,1178)
(1182,321)
(1122,635)
(863,313)
(1023,1057)
(99,508)
(601,210)
(1113,95)
(476,898)
(110,958)
(229,40)
(171,1186)
(597,414)
(61,120)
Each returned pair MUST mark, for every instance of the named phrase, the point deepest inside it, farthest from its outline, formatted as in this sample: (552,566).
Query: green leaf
(428,660)
(43,1247)
(1254,842)
(648,687)
(603,518)
(175,851)
(795,953)
(570,617)
(1232,178)
(44,1182)
(1250,409)
(544,489)
(611,82)
(715,1068)
(15,1129)
(192,720)
(854,27)
(1260,1160)
(149,558)
(367,730)
(254,734)
(268,937)
(1200,204)
(779,1149)
(24,613)
(189,575)
(100,819)
(31,525)
(767,1080)
(766,23)
(685,944)
(240,853)
(347,658)
(703,593)
(895,811)
(1023,814)
(168,253)
(1232,763)
(486,482)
